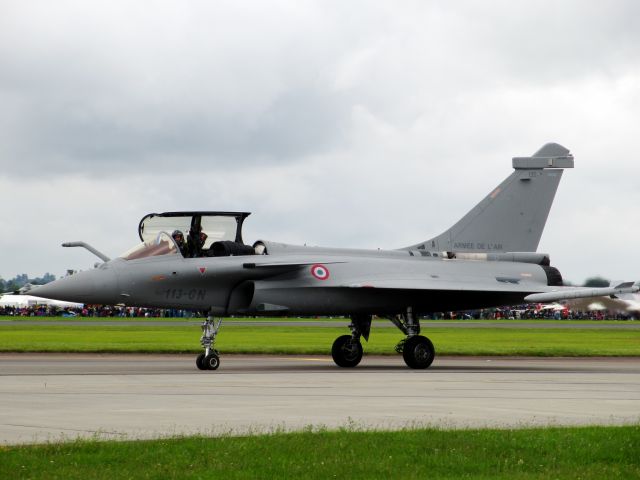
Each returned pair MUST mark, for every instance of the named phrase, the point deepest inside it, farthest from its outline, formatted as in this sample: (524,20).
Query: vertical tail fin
(512,217)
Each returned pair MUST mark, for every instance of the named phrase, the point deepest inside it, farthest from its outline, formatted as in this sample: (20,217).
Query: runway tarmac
(48,397)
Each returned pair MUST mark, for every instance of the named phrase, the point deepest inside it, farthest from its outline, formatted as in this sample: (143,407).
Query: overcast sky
(359,124)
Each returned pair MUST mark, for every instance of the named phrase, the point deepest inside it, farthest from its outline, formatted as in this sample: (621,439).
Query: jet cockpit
(192,234)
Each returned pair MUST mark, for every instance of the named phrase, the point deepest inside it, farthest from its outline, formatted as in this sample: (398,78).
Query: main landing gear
(417,351)
(347,349)
(210,358)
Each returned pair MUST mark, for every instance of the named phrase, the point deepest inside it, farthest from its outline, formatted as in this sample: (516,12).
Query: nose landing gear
(210,358)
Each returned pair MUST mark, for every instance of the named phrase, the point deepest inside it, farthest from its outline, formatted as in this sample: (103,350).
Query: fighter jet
(198,260)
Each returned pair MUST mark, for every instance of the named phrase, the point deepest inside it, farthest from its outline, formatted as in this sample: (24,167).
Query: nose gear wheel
(210,358)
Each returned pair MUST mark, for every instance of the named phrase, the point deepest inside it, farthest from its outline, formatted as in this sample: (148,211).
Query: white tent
(21,301)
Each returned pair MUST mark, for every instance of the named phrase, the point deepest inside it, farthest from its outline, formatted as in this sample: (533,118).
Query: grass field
(337,320)
(576,453)
(6,318)
(318,340)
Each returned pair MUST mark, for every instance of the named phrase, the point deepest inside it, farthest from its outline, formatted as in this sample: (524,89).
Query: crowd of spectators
(521,312)
(95,311)
(538,312)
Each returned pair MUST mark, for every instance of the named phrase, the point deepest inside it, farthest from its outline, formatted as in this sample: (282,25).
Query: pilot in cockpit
(195,242)
(179,238)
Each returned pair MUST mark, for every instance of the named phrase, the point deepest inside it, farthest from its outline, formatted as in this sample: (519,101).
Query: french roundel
(320,272)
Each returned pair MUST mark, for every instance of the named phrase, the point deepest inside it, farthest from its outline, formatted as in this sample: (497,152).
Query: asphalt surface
(49,397)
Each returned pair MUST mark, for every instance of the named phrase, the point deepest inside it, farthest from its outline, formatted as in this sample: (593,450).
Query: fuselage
(304,282)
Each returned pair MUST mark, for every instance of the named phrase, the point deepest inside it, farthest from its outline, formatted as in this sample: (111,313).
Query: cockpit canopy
(204,234)
(217,226)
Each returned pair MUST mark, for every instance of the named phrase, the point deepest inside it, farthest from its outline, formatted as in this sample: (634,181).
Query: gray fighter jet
(199,261)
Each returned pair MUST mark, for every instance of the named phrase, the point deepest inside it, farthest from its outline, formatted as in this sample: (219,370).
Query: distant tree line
(596,282)
(22,279)
(593,282)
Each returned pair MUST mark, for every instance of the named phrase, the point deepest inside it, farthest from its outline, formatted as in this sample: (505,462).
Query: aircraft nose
(73,288)
(90,286)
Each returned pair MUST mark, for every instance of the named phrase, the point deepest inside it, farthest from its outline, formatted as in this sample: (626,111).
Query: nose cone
(92,286)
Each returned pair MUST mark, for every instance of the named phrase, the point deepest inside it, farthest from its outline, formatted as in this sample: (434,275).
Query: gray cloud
(62,140)
(95,88)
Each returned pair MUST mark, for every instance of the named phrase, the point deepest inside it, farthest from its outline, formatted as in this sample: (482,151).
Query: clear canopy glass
(216,227)
(162,244)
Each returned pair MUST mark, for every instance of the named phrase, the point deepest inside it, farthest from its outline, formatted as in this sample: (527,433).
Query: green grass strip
(318,340)
(8,318)
(545,453)
(338,320)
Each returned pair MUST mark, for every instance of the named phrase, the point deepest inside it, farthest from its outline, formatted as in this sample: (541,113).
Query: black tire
(211,361)
(200,362)
(346,351)
(418,352)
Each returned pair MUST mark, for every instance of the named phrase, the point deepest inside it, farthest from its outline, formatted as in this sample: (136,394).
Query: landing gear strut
(347,349)
(417,350)
(210,358)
